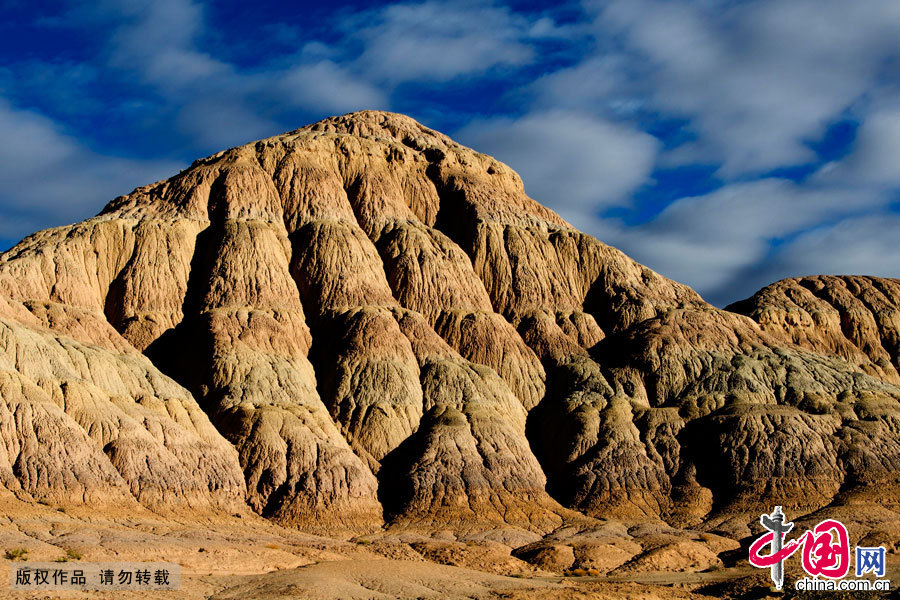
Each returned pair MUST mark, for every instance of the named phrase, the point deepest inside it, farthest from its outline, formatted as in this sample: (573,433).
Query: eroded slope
(384,325)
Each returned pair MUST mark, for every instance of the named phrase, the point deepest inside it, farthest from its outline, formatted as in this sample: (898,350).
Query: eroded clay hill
(362,321)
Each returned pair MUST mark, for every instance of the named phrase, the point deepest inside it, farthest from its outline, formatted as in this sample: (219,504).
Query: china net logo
(825,555)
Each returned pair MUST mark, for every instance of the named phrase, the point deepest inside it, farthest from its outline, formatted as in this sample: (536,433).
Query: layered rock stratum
(363,323)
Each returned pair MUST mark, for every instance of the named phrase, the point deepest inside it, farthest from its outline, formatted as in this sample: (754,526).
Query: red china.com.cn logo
(824,552)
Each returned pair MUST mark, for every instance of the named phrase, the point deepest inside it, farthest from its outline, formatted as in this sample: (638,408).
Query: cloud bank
(724,144)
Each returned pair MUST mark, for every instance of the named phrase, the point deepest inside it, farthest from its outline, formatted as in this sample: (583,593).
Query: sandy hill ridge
(362,322)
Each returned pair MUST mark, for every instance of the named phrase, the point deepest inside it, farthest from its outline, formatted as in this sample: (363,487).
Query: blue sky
(724,144)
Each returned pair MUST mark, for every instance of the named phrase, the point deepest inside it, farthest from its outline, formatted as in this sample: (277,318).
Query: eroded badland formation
(362,341)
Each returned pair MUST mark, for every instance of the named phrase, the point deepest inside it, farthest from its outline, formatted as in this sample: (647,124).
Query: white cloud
(324,86)
(713,242)
(598,83)
(875,159)
(756,80)
(756,83)
(214,122)
(858,246)
(157,40)
(216,103)
(48,178)
(439,41)
(219,103)
(245,107)
(574,163)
